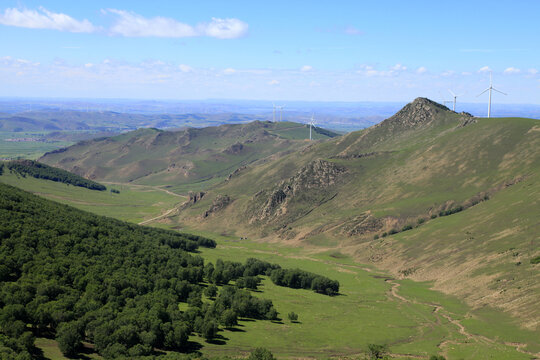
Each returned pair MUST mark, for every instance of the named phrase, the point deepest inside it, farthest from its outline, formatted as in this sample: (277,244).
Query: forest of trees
(42,171)
(78,276)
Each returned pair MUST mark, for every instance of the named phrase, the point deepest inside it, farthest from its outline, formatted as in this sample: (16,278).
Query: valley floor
(414,321)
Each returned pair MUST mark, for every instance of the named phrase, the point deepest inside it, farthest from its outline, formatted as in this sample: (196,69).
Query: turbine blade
(454,95)
(482,92)
(499,91)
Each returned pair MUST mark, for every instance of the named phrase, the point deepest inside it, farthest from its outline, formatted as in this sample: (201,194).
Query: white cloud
(466,73)
(398,67)
(421,70)
(532,71)
(512,70)
(224,28)
(306,68)
(273,82)
(484,69)
(130,24)
(229,71)
(44,19)
(88,65)
(185,68)
(351,30)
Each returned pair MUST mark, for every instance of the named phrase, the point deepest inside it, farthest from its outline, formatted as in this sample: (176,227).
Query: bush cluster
(42,171)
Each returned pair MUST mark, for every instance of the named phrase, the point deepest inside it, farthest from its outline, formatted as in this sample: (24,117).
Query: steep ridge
(404,198)
(156,157)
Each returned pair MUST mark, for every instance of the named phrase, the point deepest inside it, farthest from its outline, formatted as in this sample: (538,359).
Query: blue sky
(289,50)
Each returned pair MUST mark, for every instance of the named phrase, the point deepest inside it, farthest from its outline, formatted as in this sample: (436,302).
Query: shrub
(376,351)
(535,260)
(293,316)
(437,357)
(407,227)
(376,237)
(261,354)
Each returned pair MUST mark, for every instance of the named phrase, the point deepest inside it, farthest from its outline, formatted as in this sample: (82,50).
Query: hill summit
(421,111)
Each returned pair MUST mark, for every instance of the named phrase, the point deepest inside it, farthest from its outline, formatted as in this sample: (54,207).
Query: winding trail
(150,187)
(168,212)
(145,186)
(462,330)
(438,310)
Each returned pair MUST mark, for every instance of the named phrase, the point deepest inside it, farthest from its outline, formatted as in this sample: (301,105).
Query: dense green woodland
(78,276)
(42,171)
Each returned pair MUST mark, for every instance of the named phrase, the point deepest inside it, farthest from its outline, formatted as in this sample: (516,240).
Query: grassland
(26,149)
(398,173)
(374,307)
(409,317)
(134,203)
(200,157)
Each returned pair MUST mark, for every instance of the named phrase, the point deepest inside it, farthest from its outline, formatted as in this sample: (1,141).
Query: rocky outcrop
(235,173)
(219,203)
(234,149)
(195,197)
(420,112)
(310,183)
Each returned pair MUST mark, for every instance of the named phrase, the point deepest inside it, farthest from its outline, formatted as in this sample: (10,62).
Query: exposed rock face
(235,172)
(219,203)
(468,120)
(421,111)
(234,149)
(195,197)
(310,182)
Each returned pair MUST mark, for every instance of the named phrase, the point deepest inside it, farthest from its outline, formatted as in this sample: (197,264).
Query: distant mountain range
(173,158)
(131,114)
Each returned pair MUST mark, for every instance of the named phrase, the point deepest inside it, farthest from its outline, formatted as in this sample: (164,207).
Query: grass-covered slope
(42,171)
(155,157)
(424,167)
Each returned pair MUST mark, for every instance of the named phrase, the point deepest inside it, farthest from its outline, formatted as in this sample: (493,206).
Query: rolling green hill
(174,159)
(427,194)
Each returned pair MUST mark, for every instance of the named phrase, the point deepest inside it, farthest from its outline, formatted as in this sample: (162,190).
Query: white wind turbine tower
(280,111)
(311,124)
(274,112)
(444,102)
(455,97)
(490,88)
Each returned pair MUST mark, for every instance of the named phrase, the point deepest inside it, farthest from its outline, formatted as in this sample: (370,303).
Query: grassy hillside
(155,157)
(102,261)
(427,194)
(134,203)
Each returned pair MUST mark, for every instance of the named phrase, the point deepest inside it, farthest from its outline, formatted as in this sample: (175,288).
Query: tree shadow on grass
(218,340)
(235,329)
(193,347)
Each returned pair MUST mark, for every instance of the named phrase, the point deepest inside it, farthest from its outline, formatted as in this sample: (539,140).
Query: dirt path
(462,330)
(150,187)
(168,212)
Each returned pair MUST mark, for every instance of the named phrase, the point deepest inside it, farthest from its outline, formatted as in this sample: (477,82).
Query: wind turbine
(490,88)
(311,123)
(444,102)
(455,97)
(280,107)
(274,112)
